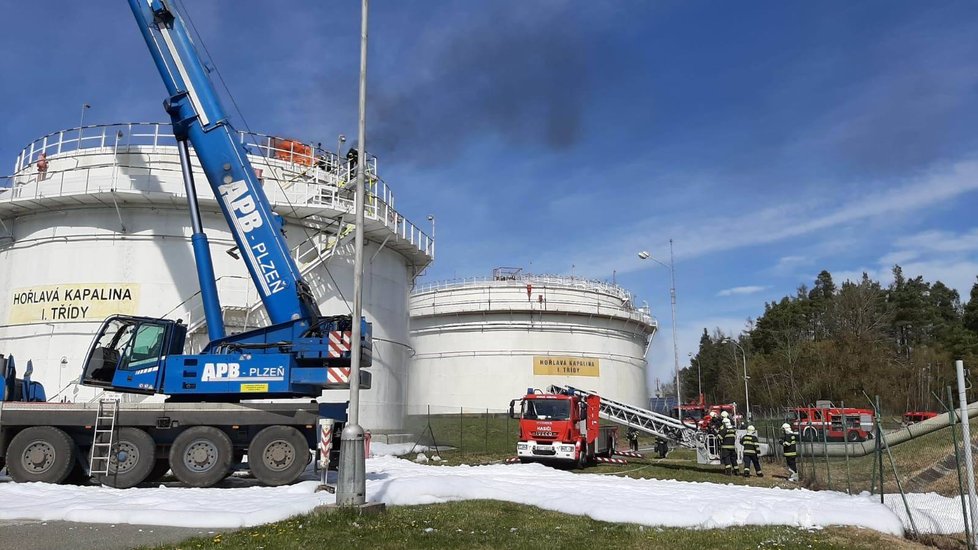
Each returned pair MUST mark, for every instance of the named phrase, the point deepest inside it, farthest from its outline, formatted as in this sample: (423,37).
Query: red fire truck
(827,422)
(695,413)
(561,428)
(912,417)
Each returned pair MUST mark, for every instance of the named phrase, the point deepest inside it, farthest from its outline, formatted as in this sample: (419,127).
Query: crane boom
(197,116)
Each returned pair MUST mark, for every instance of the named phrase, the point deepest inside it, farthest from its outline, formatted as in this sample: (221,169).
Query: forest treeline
(836,342)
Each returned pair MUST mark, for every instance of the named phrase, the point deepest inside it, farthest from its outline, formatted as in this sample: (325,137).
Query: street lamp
(431,218)
(746,392)
(699,375)
(646,255)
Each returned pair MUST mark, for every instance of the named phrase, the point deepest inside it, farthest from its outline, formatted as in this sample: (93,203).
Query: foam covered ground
(401,482)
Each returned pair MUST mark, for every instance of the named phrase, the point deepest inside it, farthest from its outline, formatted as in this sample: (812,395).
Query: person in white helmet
(728,448)
(749,442)
(789,442)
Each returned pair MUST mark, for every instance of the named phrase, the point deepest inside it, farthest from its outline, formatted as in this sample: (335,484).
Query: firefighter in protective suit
(789,442)
(728,448)
(714,424)
(749,443)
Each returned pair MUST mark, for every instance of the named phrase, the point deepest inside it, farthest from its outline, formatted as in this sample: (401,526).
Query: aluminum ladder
(644,420)
(103,438)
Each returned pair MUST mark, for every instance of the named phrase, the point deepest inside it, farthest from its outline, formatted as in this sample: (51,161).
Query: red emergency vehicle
(830,423)
(561,427)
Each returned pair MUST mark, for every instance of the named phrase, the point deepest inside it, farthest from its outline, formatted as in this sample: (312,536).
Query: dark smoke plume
(518,74)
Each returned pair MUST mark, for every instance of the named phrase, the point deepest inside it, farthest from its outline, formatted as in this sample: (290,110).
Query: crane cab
(128,352)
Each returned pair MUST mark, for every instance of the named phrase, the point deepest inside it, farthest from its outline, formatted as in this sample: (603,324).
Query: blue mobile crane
(202,429)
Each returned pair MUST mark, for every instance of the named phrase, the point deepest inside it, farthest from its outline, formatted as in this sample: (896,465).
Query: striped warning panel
(325,441)
(338,375)
(339,343)
(611,460)
(512,460)
(631,454)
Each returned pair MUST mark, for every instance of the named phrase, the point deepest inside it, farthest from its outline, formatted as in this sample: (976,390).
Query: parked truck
(561,427)
(827,422)
(202,428)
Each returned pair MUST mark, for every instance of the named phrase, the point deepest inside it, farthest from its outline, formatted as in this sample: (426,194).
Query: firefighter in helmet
(715,423)
(789,442)
(632,436)
(728,448)
(749,443)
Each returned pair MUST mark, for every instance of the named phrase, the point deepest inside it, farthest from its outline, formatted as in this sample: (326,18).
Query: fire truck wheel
(853,436)
(132,459)
(159,470)
(278,455)
(40,453)
(201,456)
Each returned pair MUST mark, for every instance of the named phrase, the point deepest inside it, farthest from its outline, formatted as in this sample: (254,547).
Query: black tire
(133,458)
(159,470)
(853,436)
(41,453)
(278,455)
(201,456)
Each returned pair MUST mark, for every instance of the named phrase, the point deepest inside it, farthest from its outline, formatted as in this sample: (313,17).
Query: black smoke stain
(518,74)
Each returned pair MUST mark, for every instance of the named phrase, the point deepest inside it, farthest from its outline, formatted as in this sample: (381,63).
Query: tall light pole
(646,255)
(699,375)
(351,480)
(746,391)
(431,218)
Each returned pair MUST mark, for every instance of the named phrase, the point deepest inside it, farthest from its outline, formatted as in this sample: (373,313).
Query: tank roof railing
(159,134)
(288,161)
(627,298)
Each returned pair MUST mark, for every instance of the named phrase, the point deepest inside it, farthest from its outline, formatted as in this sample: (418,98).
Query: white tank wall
(475,343)
(66,230)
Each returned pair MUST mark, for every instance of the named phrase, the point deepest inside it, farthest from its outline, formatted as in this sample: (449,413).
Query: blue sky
(770,140)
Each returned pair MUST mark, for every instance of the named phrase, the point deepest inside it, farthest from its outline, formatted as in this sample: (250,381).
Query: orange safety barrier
(292,151)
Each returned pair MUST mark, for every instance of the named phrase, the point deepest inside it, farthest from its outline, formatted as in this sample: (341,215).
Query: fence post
(825,447)
(845,437)
(879,444)
(966,441)
(460,413)
(487,431)
(957,466)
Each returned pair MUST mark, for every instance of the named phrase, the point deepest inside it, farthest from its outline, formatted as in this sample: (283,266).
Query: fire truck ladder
(652,423)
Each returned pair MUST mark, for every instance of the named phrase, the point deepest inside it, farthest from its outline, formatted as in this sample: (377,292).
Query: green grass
(473,433)
(491,525)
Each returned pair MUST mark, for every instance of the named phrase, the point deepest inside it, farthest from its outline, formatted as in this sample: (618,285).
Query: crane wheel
(132,459)
(278,455)
(40,453)
(201,456)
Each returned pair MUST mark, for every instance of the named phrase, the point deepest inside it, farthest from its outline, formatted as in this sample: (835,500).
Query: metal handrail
(522,279)
(308,174)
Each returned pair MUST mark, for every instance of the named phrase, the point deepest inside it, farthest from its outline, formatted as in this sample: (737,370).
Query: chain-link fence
(463,431)
(917,469)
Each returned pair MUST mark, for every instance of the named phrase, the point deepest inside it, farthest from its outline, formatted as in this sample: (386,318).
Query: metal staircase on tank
(652,423)
(103,439)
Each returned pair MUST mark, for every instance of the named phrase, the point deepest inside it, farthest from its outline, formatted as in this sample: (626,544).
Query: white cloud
(741,290)
(776,223)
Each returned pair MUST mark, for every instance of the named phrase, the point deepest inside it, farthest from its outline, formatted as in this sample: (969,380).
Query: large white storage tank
(104,228)
(479,343)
